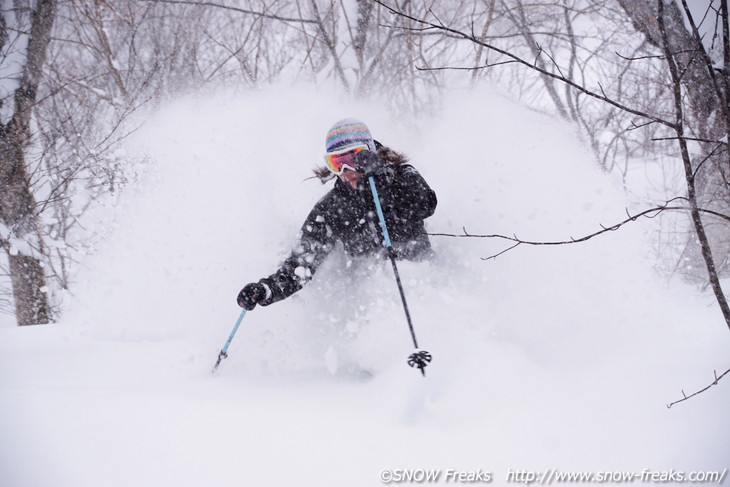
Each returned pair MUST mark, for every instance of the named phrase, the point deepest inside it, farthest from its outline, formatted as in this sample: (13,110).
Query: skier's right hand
(368,162)
(251,295)
(371,164)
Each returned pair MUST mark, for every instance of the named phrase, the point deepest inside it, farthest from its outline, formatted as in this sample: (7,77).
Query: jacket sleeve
(315,242)
(408,196)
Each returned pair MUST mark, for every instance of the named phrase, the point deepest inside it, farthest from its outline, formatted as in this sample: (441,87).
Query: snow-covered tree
(25,31)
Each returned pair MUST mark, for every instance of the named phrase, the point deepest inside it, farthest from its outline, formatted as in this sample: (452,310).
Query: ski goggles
(343,159)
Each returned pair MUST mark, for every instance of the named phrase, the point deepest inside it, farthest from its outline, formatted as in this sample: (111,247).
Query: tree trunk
(701,89)
(31,303)
(706,105)
(521,22)
(706,114)
(674,70)
(17,202)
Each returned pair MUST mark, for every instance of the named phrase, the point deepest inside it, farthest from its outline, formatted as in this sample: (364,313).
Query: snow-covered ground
(545,357)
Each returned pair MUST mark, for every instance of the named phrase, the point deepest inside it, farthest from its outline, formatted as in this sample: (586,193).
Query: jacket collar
(345,189)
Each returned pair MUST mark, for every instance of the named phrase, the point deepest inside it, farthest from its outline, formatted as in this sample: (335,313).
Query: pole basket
(420,360)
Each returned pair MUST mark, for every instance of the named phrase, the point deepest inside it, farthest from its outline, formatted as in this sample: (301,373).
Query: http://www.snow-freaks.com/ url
(549,476)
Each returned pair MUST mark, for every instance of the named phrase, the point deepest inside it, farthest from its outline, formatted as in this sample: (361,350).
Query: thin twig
(639,58)
(464,68)
(722,142)
(235,9)
(701,390)
(707,158)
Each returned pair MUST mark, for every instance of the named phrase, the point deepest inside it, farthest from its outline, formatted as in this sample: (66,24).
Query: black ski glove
(371,164)
(251,295)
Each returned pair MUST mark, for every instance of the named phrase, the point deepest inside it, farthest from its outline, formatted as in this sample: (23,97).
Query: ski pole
(224,351)
(420,358)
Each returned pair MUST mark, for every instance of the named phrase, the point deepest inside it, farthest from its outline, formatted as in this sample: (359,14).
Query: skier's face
(350,177)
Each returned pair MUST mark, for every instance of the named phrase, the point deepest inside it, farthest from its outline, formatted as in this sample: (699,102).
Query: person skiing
(347,213)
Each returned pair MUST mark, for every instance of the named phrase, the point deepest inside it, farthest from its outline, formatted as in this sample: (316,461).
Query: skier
(347,212)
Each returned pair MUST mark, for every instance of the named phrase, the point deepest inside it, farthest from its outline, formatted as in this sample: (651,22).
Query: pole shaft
(379,209)
(391,255)
(402,296)
(224,350)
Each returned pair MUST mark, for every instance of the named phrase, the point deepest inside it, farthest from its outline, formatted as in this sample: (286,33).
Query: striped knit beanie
(349,132)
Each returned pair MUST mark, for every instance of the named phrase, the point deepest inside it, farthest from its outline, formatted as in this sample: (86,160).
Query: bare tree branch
(464,68)
(638,58)
(701,390)
(528,64)
(234,9)
(649,213)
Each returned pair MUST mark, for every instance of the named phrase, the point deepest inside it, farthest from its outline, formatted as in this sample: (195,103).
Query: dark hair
(389,155)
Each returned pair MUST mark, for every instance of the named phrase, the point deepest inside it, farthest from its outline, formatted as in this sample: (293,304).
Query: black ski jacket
(349,216)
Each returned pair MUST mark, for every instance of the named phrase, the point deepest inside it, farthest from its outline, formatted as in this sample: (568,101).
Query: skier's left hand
(251,295)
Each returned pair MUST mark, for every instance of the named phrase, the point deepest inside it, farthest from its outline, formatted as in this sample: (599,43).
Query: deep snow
(545,357)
